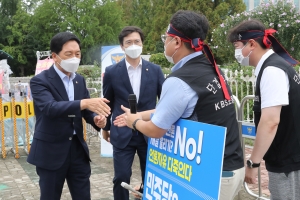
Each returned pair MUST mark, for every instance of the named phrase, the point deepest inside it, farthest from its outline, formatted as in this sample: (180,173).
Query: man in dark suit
(61,100)
(132,75)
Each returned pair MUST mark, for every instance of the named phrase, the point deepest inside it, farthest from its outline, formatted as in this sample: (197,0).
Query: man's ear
(54,57)
(253,43)
(178,41)
(122,47)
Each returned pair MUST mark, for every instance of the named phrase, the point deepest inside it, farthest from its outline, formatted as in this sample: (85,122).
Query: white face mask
(238,54)
(134,51)
(70,65)
(169,58)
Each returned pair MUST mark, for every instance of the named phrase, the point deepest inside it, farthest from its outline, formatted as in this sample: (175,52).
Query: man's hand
(128,117)
(106,135)
(100,121)
(137,188)
(251,174)
(120,121)
(96,105)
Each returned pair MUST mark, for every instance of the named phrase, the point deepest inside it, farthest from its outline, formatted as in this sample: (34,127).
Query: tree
(21,43)
(153,16)
(94,23)
(282,16)
(8,7)
(110,25)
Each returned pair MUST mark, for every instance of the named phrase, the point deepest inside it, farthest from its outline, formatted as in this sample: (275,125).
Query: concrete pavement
(19,181)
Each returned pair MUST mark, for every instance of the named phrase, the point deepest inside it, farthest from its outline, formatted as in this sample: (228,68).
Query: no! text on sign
(186,163)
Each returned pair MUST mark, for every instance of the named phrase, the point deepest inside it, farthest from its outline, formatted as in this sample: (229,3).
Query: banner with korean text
(186,163)
(42,65)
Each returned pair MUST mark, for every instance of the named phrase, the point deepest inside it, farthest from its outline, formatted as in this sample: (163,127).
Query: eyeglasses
(164,38)
(131,42)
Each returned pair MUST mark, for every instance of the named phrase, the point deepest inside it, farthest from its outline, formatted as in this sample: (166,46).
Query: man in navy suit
(132,75)
(61,100)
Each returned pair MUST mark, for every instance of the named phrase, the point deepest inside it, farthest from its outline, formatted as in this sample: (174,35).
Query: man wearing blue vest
(276,108)
(191,92)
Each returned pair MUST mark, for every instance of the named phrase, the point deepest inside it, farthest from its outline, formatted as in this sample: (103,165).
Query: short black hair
(58,41)
(191,24)
(244,26)
(128,30)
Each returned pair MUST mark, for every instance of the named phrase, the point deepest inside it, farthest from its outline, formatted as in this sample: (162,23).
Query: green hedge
(91,74)
(160,59)
(280,15)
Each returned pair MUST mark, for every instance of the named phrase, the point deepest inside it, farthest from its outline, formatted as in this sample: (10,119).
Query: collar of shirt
(62,75)
(128,65)
(185,59)
(262,60)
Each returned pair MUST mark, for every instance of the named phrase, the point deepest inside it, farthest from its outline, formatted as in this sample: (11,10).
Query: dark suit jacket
(56,119)
(117,87)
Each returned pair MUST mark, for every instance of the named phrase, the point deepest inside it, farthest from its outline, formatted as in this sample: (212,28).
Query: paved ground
(18,180)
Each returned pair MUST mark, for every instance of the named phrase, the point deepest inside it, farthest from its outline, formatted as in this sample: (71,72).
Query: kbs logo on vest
(19,108)
(224,103)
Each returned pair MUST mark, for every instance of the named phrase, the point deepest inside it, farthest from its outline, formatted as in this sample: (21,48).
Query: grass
(249,142)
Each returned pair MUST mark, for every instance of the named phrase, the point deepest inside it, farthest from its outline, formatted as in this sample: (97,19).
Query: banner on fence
(248,130)
(110,55)
(42,65)
(186,163)
(1,84)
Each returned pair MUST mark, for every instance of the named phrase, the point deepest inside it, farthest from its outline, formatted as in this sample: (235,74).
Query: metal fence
(240,84)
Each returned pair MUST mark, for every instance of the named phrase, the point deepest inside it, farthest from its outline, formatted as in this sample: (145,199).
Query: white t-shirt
(274,84)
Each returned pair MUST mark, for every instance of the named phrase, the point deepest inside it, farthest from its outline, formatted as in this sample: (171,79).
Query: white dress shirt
(135,74)
(68,83)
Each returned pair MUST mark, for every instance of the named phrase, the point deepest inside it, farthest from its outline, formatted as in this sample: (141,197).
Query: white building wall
(251,4)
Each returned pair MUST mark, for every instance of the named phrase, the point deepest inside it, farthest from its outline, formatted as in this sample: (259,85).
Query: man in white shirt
(133,75)
(276,108)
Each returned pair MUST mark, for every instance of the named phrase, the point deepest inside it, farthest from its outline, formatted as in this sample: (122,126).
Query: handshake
(98,106)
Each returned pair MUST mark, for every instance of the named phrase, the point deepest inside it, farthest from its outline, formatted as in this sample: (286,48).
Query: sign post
(109,55)
(186,163)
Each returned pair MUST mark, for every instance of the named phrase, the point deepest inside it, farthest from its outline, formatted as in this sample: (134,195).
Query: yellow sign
(19,109)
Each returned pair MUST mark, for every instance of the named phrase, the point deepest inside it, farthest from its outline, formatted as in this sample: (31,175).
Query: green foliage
(92,76)
(27,27)
(95,24)
(20,42)
(166,71)
(8,7)
(235,66)
(154,16)
(297,68)
(282,16)
(160,59)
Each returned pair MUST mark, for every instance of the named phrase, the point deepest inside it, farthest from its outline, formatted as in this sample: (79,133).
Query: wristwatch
(134,123)
(250,164)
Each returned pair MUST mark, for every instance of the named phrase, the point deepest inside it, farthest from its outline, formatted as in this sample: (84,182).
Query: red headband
(198,45)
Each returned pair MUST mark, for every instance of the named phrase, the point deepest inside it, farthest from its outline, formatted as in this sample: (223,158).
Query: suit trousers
(76,170)
(123,159)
